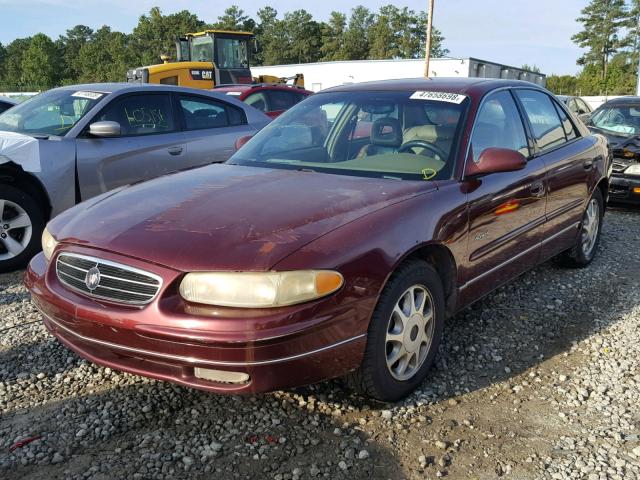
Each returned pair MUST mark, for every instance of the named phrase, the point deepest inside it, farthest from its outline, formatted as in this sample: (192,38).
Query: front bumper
(621,189)
(169,339)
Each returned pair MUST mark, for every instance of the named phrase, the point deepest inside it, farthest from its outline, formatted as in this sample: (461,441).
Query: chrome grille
(117,283)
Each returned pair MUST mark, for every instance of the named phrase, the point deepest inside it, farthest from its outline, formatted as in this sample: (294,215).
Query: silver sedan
(72,143)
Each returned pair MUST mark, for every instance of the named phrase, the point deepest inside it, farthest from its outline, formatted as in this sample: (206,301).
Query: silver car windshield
(51,113)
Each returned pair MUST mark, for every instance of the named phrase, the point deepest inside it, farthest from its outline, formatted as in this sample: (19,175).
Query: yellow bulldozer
(208,59)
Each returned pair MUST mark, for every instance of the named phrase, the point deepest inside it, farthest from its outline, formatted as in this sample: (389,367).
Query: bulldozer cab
(204,60)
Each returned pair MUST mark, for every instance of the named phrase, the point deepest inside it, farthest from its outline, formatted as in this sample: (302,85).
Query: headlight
(259,290)
(48,244)
(633,170)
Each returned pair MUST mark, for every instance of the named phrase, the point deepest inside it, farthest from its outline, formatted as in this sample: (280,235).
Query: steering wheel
(410,145)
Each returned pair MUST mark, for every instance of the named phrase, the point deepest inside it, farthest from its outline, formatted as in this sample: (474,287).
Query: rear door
(211,128)
(151,144)
(569,163)
(506,210)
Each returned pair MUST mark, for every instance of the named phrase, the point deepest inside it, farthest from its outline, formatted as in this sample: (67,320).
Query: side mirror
(105,129)
(242,140)
(495,160)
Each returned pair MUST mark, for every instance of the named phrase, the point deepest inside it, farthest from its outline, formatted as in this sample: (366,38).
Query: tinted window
(202,113)
(582,106)
(141,114)
(572,105)
(281,100)
(569,130)
(257,100)
(498,125)
(543,117)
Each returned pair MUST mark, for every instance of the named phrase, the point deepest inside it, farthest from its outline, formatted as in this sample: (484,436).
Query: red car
(315,253)
(272,99)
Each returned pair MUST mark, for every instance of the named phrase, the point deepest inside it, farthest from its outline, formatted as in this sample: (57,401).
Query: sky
(512,32)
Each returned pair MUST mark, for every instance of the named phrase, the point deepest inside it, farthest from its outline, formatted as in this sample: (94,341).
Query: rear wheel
(21,225)
(583,252)
(404,334)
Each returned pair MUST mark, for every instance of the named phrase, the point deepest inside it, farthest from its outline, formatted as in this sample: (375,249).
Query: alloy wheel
(15,229)
(590,227)
(410,332)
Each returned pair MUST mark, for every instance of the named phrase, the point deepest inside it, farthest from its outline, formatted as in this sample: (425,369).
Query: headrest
(430,133)
(386,132)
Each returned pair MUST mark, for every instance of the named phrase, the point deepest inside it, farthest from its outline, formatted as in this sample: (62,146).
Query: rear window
(544,119)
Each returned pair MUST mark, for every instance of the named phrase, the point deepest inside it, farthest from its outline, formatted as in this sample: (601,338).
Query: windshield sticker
(428,173)
(89,95)
(234,93)
(438,96)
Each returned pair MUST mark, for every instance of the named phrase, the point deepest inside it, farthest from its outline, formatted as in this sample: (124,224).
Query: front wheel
(21,225)
(583,252)
(404,333)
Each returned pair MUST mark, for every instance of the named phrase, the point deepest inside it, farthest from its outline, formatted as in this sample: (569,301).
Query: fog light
(221,376)
(636,189)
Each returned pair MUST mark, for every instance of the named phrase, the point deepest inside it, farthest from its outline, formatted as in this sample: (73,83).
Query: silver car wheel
(410,332)
(15,229)
(590,227)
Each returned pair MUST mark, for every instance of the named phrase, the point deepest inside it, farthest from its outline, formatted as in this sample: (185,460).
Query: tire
(375,378)
(21,226)
(582,253)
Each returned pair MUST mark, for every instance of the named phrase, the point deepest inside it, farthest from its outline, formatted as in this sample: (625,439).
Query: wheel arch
(440,258)
(603,185)
(14,175)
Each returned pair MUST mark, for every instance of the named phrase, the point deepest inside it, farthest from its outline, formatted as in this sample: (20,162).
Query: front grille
(115,282)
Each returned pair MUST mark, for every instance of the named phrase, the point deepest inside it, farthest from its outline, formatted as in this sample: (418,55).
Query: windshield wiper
(40,136)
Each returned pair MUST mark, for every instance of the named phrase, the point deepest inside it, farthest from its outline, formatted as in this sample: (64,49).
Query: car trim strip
(192,360)
(521,254)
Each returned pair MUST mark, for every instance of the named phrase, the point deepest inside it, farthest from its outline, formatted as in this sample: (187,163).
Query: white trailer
(321,75)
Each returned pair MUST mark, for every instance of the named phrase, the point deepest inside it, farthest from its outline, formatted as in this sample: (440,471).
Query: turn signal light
(636,189)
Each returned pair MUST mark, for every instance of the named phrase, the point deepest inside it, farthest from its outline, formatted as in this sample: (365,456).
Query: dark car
(314,253)
(6,103)
(272,99)
(619,121)
(576,105)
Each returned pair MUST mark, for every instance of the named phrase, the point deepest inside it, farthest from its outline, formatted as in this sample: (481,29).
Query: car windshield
(51,113)
(231,53)
(624,119)
(397,135)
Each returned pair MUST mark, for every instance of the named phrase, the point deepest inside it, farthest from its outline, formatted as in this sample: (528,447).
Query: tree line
(104,55)
(611,36)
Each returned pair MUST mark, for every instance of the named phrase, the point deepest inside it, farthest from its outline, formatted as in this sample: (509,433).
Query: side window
(544,119)
(498,125)
(280,100)
(141,114)
(572,105)
(169,80)
(257,100)
(201,113)
(569,130)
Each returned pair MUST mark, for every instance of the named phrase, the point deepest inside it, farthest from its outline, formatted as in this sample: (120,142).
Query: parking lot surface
(539,380)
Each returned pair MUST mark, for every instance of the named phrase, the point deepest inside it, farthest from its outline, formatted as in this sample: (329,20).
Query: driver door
(150,144)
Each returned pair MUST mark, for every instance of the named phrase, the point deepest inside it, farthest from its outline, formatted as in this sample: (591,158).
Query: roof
(205,32)
(627,100)
(135,87)
(452,84)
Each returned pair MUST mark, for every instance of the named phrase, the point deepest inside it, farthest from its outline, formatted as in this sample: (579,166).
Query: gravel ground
(539,380)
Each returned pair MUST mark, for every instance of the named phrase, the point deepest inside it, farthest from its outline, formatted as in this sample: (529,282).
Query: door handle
(588,164)
(174,150)
(537,189)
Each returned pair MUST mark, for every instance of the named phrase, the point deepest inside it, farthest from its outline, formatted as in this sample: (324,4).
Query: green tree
(531,68)
(235,19)
(155,34)
(562,84)
(106,57)
(602,21)
(356,38)
(11,74)
(69,46)
(333,37)
(40,63)
(303,37)
(271,38)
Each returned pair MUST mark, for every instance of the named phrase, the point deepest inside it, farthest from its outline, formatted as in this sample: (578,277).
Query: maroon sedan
(272,99)
(315,253)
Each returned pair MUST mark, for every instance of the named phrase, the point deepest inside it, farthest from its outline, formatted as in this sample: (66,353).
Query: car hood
(618,141)
(226,217)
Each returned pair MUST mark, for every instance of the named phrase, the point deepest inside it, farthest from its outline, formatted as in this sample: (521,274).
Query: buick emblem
(92,280)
